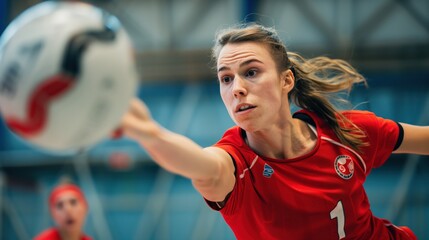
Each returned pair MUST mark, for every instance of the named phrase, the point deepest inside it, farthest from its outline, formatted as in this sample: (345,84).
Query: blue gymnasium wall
(26,183)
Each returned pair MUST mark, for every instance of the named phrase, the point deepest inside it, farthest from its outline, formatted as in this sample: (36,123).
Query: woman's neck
(293,139)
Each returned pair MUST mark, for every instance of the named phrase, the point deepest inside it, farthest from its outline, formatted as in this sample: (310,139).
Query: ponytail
(317,80)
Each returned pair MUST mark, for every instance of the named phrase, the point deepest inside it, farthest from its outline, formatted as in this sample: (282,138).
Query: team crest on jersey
(268,171)
(344,166)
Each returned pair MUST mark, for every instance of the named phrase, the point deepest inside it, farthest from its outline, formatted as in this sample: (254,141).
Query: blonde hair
(316,79)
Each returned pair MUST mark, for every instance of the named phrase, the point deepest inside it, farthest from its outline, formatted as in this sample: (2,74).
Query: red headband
(57,191)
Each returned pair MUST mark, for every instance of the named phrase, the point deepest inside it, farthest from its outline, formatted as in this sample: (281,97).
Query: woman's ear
(288,80)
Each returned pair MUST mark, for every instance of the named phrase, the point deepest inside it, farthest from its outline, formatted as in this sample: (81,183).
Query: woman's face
(250,86)
(69,212)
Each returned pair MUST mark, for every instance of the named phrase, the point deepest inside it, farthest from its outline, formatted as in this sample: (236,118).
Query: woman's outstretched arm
(211,169)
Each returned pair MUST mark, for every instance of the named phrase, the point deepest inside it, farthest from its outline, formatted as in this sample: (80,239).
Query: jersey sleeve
(231,143)
(231,203)
(388,139)
(383,136)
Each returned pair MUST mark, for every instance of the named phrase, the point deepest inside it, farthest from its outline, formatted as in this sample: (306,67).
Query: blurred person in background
(68,208)
(278,174)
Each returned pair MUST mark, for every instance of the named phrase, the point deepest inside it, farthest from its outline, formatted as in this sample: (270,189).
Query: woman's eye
(73,202)
(59,205)
(251,73)
(226,79)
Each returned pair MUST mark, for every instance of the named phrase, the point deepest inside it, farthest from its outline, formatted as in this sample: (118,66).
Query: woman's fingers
(139,109)
(137,123)
(134,121)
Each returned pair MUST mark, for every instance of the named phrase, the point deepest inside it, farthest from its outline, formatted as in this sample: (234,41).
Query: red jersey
(319,195)
(53,234)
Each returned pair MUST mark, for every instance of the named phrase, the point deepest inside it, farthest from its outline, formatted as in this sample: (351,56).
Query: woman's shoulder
(358,114)
(234,144)
(48,234)
(85,237)
(232,136)
(355,116)
(363,119)
(53,234)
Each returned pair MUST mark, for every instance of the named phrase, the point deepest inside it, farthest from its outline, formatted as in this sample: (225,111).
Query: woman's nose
(239,87)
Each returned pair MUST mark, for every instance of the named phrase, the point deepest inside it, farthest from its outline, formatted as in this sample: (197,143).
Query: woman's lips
(244,107)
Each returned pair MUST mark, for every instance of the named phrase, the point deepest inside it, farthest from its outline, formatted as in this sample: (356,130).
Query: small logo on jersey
(268,171)
(344,166)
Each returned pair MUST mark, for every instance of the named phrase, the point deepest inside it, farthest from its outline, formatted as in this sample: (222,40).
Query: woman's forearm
(181,155)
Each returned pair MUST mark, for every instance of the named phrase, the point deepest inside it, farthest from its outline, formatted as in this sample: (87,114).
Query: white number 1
(338,212)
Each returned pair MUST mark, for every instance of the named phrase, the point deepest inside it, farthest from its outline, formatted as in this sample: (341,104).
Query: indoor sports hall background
(131,198)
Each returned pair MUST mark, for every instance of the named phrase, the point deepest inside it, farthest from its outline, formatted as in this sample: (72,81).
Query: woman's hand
(137,122)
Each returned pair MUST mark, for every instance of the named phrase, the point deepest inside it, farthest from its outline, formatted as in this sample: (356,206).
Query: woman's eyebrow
(224,68)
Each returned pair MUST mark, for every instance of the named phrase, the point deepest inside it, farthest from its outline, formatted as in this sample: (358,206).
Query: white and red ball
(67,74)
